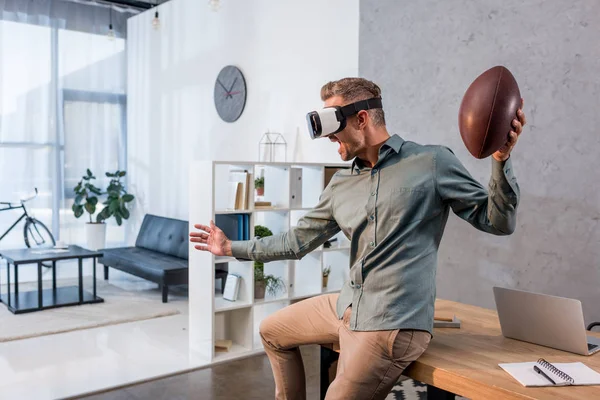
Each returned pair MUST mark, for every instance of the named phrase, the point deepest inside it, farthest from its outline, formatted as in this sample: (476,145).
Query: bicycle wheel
(37,235)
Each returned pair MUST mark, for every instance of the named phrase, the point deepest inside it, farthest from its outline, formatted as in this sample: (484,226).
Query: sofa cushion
(164,235)
(147,264)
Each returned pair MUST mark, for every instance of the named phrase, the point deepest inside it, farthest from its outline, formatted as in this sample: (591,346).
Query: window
(62,111)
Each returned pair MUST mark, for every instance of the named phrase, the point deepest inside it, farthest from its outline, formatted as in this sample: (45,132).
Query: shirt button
(375,171)
(372,244)
(373,193)
(372,218)
(358,286)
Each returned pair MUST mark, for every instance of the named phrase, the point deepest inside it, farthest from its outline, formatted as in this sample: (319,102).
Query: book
(243,178)
(446,322)
(543,373)
(233,199)
(229,224)
(232,287)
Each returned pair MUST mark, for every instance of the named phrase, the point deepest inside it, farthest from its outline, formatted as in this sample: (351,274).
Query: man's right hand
(212,239)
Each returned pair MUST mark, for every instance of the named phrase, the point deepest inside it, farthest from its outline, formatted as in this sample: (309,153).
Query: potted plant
(86,199)
(269,283)
(116,202)
(326,272)
(259,184)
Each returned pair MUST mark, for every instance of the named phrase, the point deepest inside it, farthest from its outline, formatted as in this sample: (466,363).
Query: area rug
(408,389)
(119,306)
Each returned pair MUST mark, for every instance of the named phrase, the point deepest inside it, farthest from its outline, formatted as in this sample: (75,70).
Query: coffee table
(43,299)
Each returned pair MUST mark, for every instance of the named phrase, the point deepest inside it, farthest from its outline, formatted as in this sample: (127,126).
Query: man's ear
(362,118)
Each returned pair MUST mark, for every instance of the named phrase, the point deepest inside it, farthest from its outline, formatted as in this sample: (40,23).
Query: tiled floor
(72,363)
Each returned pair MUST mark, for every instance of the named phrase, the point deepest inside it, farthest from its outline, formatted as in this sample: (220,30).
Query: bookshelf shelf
(226,305)
(228,212)
(293,189)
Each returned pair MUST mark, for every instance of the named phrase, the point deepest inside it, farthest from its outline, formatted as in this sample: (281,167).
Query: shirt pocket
(407,204)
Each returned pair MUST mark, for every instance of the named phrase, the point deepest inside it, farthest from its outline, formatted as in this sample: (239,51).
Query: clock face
(230,93)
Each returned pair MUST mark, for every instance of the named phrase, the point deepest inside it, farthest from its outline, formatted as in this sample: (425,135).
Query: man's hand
(212,239)
(513,136)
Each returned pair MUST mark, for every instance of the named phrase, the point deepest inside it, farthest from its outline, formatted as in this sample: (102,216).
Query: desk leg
(80,280)
(94,273)
(54,275)
(434,393)
(8,281)
(328,358)
(40,300)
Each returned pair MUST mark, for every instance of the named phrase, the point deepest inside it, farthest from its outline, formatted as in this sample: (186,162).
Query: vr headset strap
(354,108)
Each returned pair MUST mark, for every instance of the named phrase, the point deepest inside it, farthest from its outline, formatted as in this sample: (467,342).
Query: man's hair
(353,90)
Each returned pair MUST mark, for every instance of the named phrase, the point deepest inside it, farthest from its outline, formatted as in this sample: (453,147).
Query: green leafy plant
(262,231)
(86,196)
(116,202)
(259,183)
(326,271)
(272,283)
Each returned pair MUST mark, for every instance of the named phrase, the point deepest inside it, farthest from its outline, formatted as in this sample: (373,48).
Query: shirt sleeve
(493,210)
(313,229)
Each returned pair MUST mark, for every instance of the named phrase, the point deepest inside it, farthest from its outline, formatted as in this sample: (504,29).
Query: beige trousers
(370,363)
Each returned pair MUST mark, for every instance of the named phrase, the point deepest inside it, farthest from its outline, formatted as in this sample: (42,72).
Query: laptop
(550,321)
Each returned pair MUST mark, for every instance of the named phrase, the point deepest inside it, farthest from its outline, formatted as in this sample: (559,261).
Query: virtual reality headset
(332,120)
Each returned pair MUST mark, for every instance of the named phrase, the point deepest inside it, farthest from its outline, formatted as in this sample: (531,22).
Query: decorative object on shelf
(272,148)
(263,205)
(86,199)
(326,272)
(232,287)
(259,184)
(230,93)
(156,21)
(269,283)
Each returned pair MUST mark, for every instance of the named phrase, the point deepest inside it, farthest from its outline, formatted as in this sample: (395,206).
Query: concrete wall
(425,54)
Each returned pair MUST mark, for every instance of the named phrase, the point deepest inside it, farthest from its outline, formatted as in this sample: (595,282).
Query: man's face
(351,140)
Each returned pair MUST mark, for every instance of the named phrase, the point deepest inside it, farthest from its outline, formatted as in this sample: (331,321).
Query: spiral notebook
(562,374)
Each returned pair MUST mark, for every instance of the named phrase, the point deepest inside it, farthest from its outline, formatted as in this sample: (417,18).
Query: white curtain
(62,108)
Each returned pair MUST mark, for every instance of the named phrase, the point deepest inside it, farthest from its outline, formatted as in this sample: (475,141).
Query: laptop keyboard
(592,346)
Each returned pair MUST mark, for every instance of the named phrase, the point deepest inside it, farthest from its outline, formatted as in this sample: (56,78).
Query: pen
(539,371)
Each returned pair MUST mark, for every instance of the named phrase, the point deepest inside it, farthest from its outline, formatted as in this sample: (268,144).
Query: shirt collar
(394,143)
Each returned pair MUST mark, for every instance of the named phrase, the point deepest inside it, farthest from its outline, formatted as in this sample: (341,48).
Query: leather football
(487,110)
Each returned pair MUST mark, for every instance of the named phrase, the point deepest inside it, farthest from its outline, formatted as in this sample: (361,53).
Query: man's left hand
(513,136)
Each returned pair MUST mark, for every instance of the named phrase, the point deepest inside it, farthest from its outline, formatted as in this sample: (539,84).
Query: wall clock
(230,93)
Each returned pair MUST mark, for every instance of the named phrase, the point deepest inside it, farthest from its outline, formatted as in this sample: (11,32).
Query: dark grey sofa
(160,254)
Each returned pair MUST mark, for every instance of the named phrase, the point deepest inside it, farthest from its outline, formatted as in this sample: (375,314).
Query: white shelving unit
(213,318)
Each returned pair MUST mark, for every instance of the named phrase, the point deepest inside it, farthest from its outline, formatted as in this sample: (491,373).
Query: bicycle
(35,232)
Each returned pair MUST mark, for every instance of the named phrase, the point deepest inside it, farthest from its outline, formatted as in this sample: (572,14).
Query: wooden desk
(465,361)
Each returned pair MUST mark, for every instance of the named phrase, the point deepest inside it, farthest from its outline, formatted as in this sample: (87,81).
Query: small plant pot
(259,290)
(260,191)
(325,279)
(95,235)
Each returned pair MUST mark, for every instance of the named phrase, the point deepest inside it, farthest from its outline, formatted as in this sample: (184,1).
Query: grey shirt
(394,215)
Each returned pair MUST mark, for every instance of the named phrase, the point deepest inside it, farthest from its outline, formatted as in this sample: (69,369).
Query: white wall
(286,50)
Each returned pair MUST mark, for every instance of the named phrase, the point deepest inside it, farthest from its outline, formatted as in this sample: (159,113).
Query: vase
(325,279)
(259,290)
(95,236)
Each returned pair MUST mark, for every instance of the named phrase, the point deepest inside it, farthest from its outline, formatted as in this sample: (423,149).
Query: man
(393,205)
